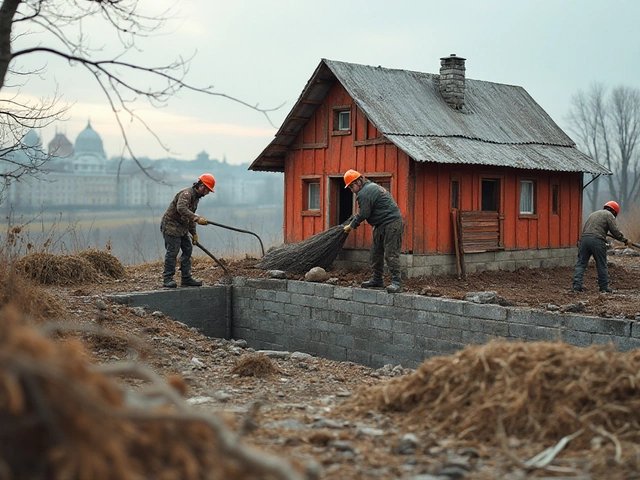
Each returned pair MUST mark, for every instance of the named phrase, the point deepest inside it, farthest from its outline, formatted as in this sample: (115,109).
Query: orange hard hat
(349,177)
(208,180)
(613,206)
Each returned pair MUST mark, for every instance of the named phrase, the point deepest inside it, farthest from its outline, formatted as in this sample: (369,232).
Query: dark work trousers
(386,245)
(173,245)
(598,248)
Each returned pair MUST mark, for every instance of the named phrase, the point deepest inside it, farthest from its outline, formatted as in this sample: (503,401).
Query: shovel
(634,244)
(238,230)
(211,255)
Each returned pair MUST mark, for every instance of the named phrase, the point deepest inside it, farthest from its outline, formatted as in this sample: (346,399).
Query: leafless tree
(58,28)
(607,127)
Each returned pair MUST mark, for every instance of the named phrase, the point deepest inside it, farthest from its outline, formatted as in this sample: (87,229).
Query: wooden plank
(456,242)
(479,231)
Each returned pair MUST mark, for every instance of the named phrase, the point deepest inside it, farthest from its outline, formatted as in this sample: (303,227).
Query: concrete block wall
(206,308)
(375,328)
(444,264)
(371,327)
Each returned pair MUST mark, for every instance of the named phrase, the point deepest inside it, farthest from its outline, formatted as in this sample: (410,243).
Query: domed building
(60,146)
(88,154)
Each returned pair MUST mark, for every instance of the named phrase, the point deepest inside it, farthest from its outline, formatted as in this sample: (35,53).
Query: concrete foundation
(445,264)
(371,327)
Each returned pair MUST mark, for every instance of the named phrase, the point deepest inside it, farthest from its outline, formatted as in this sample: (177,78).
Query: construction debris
(539,391)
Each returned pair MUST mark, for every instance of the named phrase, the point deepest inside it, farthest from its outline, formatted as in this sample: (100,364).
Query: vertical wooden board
(511,210)
(401,187)
(568,215)
(576,220)
(288,199)
(543,208)
(417,219)
(443,223)
(430,225)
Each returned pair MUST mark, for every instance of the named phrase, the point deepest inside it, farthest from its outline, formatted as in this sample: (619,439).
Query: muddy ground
(295,413)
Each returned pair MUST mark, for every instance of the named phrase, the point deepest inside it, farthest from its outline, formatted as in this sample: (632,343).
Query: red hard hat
(208,180)
(613,206)
(350,176)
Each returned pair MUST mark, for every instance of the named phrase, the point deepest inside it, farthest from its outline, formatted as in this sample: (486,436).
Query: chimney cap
(452,55)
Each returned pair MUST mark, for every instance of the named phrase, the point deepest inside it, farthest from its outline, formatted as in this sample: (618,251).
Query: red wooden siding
(422,190)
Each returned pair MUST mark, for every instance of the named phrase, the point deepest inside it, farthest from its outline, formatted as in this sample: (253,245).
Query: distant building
(80,175)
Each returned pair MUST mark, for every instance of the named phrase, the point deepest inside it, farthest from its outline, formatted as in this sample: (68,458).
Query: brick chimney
(452,80)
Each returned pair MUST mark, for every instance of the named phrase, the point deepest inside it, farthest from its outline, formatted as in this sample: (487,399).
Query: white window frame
(344,120)
(527,197)
(313,196)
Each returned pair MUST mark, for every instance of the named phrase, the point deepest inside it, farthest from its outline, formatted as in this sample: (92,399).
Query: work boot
(170,283)
(396,282)
(606,290)
(578,288)
(191,282)
(395,287)
(373,282)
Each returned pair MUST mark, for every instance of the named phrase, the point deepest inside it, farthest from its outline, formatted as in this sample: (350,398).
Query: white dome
(89,141)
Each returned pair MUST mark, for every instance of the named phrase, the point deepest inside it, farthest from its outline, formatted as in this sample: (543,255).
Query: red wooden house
(483,176)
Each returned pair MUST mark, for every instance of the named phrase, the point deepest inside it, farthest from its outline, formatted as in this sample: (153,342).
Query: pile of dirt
(539,391)
(257,365)
(62,417)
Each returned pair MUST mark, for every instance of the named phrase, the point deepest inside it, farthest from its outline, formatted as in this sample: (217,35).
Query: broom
(319,250)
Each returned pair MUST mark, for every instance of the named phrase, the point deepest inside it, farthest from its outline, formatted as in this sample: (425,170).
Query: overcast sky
(263,52)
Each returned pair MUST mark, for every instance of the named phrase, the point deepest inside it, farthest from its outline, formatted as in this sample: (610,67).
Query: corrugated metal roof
(500,125)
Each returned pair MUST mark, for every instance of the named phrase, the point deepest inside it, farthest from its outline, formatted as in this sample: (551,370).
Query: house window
(342,120)
(455,194)
(555,199)
(527,197)
(313,196)
(384,182)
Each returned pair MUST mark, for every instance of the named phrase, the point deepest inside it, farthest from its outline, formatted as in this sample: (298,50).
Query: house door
(490,195)
(341,202)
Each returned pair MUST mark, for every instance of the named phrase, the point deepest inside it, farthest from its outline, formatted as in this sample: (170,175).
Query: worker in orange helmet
(178,222)
(594,242)
(380,210)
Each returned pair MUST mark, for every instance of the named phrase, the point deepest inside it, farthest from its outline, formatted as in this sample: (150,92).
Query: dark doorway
(341,204)
(490,194)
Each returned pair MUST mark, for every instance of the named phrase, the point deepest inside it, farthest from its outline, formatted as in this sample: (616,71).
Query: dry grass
(104,262)
(62,270)
(538,391)
(69,420)
(257,365)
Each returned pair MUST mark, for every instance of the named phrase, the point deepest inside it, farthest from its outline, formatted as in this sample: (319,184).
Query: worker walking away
(594,242)
(178,222)
(379,209)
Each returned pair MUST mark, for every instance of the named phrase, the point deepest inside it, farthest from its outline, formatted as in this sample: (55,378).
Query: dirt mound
(539,391)
(104,262)
(257,365)
(64,418)
(50,269)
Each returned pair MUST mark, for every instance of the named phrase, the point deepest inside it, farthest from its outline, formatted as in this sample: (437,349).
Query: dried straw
(50,269)
(60,417)
(540,391)
(317,251)
(104,262)
(257,365)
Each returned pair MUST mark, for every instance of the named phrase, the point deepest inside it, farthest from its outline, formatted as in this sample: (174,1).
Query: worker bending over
(594,242)
(379,209)
(178,222)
